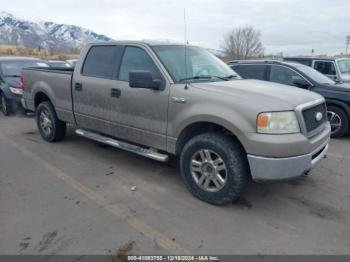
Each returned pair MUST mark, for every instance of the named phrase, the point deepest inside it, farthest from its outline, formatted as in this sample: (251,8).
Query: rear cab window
(251,71)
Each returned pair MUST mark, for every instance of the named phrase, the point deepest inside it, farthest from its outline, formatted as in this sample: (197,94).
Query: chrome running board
(123,145)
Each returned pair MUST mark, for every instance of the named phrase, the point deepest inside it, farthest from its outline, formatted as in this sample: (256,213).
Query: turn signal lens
(262,121)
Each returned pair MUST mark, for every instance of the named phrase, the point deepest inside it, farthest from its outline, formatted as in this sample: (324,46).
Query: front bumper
(263,168)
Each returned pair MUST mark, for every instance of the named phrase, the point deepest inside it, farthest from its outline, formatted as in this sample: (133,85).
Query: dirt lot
(76,197)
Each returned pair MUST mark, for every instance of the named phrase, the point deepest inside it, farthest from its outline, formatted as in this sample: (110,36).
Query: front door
(142,114)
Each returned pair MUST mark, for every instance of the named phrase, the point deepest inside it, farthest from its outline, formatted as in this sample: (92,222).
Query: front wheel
(50,127)
(339,121)
(214,168)
(5,105)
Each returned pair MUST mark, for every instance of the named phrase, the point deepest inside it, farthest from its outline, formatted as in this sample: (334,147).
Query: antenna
(185,38)
(347,43)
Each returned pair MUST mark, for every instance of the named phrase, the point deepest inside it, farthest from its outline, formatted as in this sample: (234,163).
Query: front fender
(214,113)
(340,104)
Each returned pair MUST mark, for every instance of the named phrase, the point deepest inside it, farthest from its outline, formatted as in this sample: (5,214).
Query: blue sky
(289,26)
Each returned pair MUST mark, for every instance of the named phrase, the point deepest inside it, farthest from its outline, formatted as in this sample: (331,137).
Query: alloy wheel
(335,121)
(208,170)
(45,122)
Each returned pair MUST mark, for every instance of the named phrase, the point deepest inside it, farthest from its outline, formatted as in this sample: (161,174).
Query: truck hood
(345,78)
(271,95)
(341,87)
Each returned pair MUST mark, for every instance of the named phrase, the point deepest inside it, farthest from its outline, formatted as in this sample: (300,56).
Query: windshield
(201,65)
(315,75)
(14,68)
(344,66)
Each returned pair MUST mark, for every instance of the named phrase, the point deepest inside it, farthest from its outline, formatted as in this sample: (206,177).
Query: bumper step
(123,145)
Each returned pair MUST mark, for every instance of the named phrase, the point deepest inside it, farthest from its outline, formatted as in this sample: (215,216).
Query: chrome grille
(310,125)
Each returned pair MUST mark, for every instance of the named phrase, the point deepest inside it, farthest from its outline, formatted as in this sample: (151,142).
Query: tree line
(243,43)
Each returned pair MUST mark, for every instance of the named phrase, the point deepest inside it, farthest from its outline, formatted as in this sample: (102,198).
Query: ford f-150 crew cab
(159,99)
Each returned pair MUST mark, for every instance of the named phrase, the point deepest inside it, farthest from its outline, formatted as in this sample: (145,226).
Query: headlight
(17,91)
(277,123)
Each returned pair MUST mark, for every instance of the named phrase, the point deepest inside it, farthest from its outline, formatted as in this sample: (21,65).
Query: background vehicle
(337,69)
(73,62)
(10,89)
(139,97)
(294,74)
(58,64)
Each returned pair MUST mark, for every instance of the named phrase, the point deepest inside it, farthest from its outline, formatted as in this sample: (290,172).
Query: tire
(6,106)
(339,121)
(50,127)
(233,157)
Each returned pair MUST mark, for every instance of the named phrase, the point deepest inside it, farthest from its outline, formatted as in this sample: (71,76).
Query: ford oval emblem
(318,116)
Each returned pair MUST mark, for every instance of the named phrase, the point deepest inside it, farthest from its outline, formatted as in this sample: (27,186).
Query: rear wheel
(214,168)
(5,105)
(50,127)
(339,121)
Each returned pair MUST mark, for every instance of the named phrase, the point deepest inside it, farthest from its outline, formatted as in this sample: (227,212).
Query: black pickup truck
(337,94)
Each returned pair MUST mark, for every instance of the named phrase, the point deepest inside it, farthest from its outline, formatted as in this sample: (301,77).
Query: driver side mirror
(143,79)
(302,83)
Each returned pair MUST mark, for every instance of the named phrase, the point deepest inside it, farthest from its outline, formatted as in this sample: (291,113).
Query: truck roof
(144,42)
(310,58)
(261,61)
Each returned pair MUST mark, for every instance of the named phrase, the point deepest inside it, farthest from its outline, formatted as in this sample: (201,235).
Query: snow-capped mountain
(47,35)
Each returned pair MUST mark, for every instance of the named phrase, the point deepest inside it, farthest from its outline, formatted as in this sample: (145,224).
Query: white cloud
(289,26)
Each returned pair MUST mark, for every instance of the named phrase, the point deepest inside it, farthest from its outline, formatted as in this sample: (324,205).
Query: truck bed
(55,83)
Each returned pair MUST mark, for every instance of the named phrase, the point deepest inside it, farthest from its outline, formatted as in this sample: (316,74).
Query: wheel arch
(201,127)
(40,97)
(340,104)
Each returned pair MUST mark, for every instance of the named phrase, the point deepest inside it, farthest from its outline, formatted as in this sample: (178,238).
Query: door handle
(115,92)
(78,86)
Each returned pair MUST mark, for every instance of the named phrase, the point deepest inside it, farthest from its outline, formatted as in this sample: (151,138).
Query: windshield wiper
(230,77)
(195,78)
(225,78)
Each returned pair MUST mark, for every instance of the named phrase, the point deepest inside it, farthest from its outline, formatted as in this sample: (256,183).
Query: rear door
(95,94)
(327,68)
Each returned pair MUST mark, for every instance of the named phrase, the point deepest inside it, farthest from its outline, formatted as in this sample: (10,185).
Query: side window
(326,68)
(283,75)
(251,71)
(136,58)
(100,62)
